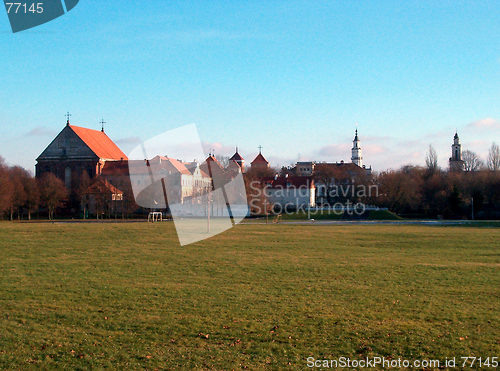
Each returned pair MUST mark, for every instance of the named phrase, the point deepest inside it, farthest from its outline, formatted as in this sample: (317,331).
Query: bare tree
(32,195)
(84,182)
(53,193)
(493,161)
(324,176)
(401,190)
(223,160)
(431,159)
(472,162)
(6,188)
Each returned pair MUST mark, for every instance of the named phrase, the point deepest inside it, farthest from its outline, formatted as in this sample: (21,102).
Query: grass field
(338,215)
(261,297)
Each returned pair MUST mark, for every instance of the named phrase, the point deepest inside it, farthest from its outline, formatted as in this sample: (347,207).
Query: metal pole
(208,214)
(472,203)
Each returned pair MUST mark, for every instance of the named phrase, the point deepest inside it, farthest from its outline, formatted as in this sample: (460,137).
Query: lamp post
(209,196)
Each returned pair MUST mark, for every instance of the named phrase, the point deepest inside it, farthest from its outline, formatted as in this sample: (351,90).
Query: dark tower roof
(236,157)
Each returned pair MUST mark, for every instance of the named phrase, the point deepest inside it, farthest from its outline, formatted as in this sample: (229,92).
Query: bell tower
(356,153)
(456,163)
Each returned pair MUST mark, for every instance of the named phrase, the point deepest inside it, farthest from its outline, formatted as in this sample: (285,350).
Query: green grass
(261,297)
(338,215)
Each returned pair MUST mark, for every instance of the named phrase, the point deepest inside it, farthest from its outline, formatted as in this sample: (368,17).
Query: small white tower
(356,157)
(456,163)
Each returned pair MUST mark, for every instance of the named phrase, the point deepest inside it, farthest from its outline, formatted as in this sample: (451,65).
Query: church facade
(76,150)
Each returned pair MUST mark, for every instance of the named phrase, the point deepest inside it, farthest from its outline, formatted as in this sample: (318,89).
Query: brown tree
(18,176)
(81,188)
(32,194)
(6,188)
(53,193)
(401,190)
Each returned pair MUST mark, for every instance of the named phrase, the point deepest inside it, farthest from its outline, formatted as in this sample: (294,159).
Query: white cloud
(218,148)
(128,140)
(335,152)
(40,131)
(485,124)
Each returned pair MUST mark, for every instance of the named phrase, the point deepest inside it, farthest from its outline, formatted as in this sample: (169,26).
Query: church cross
(102,125)
(68,116)
(260,149)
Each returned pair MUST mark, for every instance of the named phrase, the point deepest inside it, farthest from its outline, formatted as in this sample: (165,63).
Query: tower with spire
(356,152)
(260,161)
(456,162)
(238,159)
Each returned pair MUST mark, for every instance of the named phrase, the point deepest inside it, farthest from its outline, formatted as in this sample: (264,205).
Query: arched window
(67,177)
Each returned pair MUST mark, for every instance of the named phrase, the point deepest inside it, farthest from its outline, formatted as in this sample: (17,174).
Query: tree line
(413,191)
(22,195)
(431,191)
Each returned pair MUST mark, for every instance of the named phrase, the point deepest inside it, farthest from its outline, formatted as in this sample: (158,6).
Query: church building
(76,150)
(260,162)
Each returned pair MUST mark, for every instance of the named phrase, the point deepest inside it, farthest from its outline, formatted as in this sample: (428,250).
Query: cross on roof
(102,125)
(260,149)
(68,116)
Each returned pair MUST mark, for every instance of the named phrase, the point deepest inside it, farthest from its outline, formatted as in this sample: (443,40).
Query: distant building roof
(116,167)
(209,168)
(102,186)
(236,157)
(260,159)
(233,165)
(99,143)
(177,164)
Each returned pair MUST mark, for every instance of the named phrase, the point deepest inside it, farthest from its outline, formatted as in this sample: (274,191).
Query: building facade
(76,150)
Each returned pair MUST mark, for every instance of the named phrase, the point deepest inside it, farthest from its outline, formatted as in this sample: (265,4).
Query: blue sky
(294,77)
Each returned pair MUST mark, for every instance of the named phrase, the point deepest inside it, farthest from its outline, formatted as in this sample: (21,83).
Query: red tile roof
(116,168)
(162,162)
(99,143)
(260,159)
(208,167)
(103,186)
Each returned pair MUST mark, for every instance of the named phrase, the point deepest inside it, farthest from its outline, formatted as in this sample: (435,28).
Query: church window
(67,177)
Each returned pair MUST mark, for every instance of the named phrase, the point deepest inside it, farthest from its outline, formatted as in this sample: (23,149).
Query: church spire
(356,152)
(456,162)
